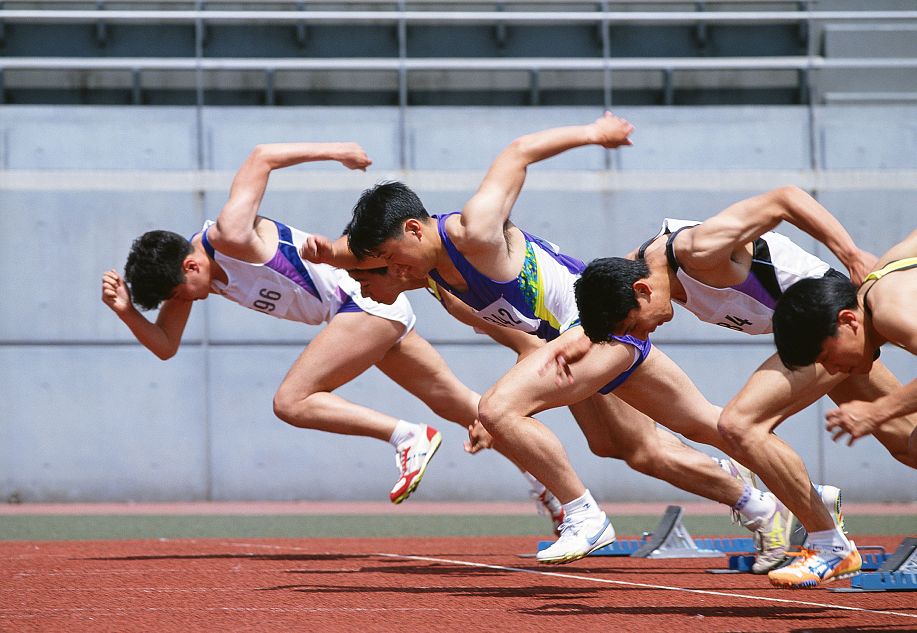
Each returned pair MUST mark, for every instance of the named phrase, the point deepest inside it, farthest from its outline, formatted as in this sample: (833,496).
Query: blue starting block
(621,547)
(872,561)
(885,581)
(898,572)
(670,539)
(728,545)
(743,563)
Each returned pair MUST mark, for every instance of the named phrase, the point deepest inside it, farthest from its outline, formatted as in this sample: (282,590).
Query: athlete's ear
(414,227)
(848,318)
(642,289)
(189,264)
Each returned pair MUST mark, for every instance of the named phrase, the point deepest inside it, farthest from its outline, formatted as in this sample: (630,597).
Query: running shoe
(412,458)
(813,567)
(579,537)
(772,538)
(549,505)
(739,471)
(831,497)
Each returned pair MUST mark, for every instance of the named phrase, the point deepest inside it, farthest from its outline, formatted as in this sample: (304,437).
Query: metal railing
(597,17)
(300,17)
(300,4)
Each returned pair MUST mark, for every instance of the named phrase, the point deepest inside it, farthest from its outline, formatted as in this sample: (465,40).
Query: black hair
(154,267)
(605,294)
(379,215)
(806,315)
(380,270)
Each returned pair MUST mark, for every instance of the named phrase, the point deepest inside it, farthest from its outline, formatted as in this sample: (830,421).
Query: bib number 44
(735,323)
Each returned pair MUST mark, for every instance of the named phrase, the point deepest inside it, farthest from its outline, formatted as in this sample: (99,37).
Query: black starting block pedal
(897,573)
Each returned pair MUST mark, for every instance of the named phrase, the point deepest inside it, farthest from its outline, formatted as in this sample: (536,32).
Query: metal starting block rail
(671,539)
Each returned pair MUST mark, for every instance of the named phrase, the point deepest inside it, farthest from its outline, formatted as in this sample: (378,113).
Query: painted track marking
(607,581)
(707,592)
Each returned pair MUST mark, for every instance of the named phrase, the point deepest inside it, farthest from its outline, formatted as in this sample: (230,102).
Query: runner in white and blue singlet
(255,262)
(288,287)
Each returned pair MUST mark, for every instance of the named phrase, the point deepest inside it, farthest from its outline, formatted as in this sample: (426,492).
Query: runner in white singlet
(255,262)
(734,258)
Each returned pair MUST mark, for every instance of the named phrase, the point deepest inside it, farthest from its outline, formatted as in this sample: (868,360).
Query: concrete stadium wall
(86,414)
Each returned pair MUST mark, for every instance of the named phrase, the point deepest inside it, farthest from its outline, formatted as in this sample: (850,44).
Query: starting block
(743,563)
(898,572)
(670,539)
(872,559)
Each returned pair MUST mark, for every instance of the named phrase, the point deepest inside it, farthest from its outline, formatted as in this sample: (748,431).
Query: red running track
(405,584)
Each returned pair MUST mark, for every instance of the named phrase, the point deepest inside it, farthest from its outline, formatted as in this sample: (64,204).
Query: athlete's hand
(612,131)
(560,358)
(855,418)
(317,249)
(115,293)
(863,264)
(354,157)
(478,438)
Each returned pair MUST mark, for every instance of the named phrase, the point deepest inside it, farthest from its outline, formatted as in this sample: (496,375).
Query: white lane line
(601,580)
(643,585)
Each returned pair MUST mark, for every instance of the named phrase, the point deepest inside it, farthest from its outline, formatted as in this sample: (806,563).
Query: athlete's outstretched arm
(562,356)
(486,213)
(857,418)
(320,249)
(234,233)
(163,337)
(713,242)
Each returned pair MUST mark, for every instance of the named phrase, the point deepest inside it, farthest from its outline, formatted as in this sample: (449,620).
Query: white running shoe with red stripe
(412,458)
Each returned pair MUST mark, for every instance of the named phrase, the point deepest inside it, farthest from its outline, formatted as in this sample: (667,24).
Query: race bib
(501,312)
(270,299)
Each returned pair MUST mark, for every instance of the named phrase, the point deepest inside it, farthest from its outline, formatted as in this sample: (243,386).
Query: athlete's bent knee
(494,412)
(643,462)
(292,408)
(735,429)
(601,448)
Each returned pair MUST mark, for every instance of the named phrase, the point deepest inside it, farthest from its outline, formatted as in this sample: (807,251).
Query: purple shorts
(643,347)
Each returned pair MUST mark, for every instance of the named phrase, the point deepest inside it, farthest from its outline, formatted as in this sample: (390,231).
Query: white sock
(582,505)
(831,540)
(755,505)
(404,431)
(536,486)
